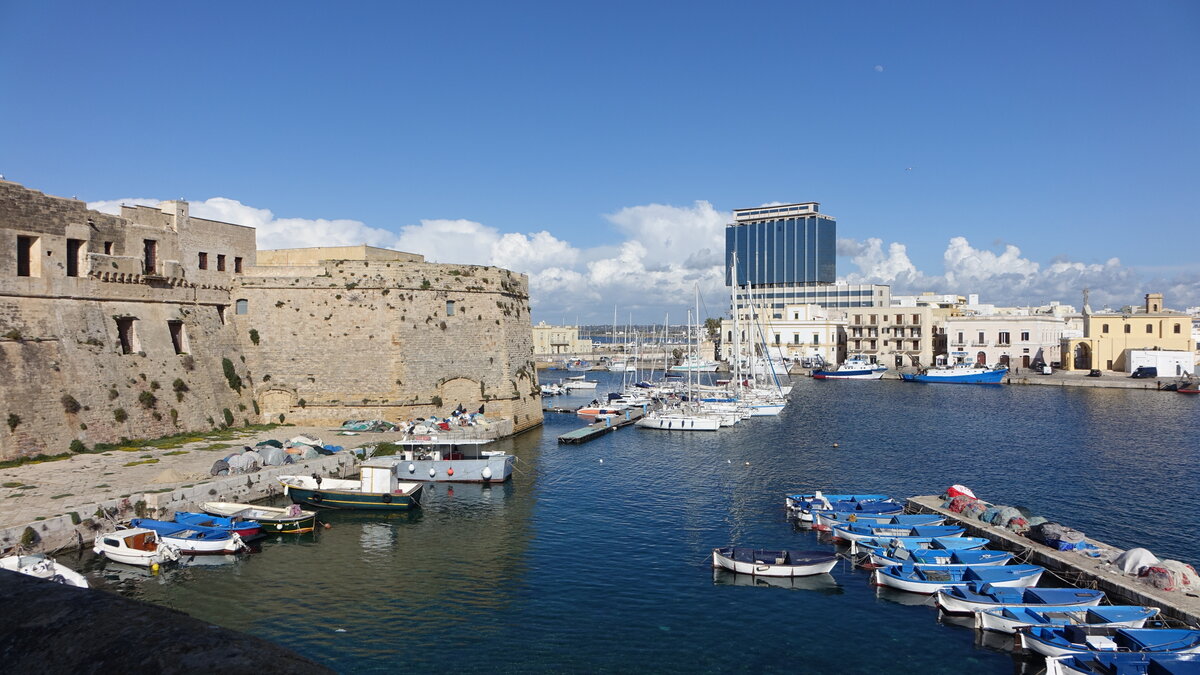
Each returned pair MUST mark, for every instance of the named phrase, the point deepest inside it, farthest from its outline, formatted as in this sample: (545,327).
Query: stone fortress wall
(127,326)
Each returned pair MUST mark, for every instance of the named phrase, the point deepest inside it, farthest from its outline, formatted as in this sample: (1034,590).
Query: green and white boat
(377,489)
(274,520)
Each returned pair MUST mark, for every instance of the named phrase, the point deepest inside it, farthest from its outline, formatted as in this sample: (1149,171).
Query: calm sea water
(596,557)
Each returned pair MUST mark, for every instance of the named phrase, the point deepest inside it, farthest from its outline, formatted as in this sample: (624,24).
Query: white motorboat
(781,563)
(136,546)
(572,384)
(678,421)
(43,567)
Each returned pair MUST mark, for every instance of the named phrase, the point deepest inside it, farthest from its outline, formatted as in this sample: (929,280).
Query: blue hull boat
(1124,664)
(244,528)
(947,559)
(852,532)
(193,540)
(1064,640)
(879,544)
(972,599)
(929,579)
(825,520)
(1011,619)
(958,375)
(803,504)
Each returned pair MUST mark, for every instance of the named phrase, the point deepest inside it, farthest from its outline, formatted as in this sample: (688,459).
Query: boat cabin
(142,541)
(445,450)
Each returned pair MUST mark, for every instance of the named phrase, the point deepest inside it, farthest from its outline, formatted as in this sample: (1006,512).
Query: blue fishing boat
(377,489)
(825,520)
(856,367)
(929,579)
(802,504)
(1011,619)
(1128,663)
(243,528)
(927,558)
(876,544)
(853,531)
(192,540)
(1064,640)
(971,599)
(960,373)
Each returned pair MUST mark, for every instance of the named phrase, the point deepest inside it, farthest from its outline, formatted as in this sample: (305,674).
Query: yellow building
(1108,338)
(550,340)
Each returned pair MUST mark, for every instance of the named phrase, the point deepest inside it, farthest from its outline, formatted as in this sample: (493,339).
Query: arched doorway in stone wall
(276,402)
(1083,357)
(460,390)
(981,358)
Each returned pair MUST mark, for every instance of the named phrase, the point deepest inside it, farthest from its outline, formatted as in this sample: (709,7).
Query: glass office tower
(791,244)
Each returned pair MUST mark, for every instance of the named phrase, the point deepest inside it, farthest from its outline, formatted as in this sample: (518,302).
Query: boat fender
(432,472)
(450,471)
(487,472)
(317,497)
(412,468)
(387,499)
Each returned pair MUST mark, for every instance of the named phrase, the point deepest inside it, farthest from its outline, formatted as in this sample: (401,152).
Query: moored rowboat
(773,563)
(274,520)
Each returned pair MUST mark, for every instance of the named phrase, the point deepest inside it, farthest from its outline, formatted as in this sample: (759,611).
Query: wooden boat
(1064,640)
(136,546)
(825,520)
(244,528)
(929,579)
(274,520)
(881,544)
(1010,619)
(192,540)
(43,567)
(773,563)
(1188,389)
(1127,663)
(852,531)
(969,599)
(948,559)
(802,504)
(376,489)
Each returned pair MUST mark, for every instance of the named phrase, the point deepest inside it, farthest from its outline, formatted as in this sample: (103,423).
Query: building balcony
(976,343)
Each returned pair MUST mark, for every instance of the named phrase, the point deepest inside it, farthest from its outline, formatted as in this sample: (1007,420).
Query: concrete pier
(1078,569)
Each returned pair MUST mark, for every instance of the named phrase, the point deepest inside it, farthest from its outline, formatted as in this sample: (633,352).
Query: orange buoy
(450,471)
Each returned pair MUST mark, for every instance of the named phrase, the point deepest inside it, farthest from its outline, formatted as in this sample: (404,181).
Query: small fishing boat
(961,373)
(857,367)
(243,528)
(274,520)
(773,563)
(881,544)
(947,559)
(1123,663)
(1188,389)
(929,579)
(853,531)
(969,599)
(136,546)
(1063,640)
(578,365)
(43,567)
(191,540)
(1009,619)
(376,489)
(825,520)
(803,504)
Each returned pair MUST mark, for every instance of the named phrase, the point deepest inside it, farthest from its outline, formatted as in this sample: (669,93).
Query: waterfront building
(808,334)
(1012,340)
(558,340)
(1108,337)
(894,336)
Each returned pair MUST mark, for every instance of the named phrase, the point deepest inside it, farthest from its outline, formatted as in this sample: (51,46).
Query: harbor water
(596,557)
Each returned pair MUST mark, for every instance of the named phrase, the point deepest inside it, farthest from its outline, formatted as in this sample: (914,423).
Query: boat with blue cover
(880,544)
(929,579)
(1010,619)
(1128,663)
(949,559)
(856,367)
(773,563)
(1063,640)
(970,599)
(853,531)
(825,520)
(191,540)
(803,504)
(243,528)
(960,373)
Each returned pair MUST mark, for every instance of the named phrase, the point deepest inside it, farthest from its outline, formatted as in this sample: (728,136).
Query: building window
(917,319)
(1149,328)
(237,265)
(220,262)
(1104,328)
(777,338)
(1128,329)
(221,313)
(203,260)
(1177,329)
(241,306)
(1024,336)
(795,338)
(29,261)
(1005,338)
(108,248)
(127,334)
(178,336)
(981,340)
(960,338)
(75,250)
(816,339)
(730,338)
(449,308)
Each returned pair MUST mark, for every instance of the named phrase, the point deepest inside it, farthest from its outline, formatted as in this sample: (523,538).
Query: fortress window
(221,309)
(203,260)
(75,251)
(150,256)
(178,336)
(449,308)
(242,306)
(220,262)
(29,262)
(108,248)
(127,333)
(237,265)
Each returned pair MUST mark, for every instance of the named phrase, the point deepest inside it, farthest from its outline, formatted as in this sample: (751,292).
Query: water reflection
(822,583)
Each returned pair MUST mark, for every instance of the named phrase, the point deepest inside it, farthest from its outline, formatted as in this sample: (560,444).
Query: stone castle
(155,322)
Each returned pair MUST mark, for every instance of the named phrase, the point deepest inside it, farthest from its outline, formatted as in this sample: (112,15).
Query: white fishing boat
(448,460)
(274,520)
(43,567)
(777,563)
(856,367)
(136,546)
(1012,619)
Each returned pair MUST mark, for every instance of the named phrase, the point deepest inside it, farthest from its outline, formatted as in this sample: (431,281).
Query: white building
(551,340)
(1013,340)
(803,333)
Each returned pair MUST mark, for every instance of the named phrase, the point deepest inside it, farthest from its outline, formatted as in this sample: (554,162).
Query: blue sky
(558,138)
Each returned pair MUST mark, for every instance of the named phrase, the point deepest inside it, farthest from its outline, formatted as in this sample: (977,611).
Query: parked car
(1145,371)
(1041,367)
(1094,372)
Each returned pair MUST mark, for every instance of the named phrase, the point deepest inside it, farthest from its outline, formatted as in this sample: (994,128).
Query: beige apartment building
(808,334)
(894,336)
(555,340)
(1016,341)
